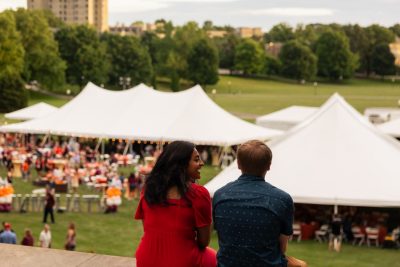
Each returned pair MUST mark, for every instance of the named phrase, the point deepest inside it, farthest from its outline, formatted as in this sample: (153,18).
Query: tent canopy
(142,113)
(286,118)
(391,127)
(335,157)
(38,110)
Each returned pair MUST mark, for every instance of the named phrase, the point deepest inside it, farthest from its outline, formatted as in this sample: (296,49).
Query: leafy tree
(42,59)
(249,57)
(173,52)
(52,20)
(226,50)
(376,35)
(306,34)
(85,55)
(12,93)
(396,29)
(281,32)
(358,41)
(208,25)
(298,61)
(151,42)
(383,60)
(203,63)
(272,65)
(335,60)
(128,59)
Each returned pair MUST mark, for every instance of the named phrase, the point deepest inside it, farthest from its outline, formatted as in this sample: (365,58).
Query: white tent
(335,157)
(38,110)
(142,113)
(391,127)
(286,118)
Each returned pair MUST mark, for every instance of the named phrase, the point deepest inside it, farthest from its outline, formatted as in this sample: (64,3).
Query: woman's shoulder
(197,191)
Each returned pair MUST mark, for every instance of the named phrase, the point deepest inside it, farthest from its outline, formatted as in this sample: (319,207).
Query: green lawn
(260,96)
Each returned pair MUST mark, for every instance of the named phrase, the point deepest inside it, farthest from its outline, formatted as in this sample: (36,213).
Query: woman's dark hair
(170,170)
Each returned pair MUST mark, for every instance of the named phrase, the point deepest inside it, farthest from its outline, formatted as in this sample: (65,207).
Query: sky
(249,13)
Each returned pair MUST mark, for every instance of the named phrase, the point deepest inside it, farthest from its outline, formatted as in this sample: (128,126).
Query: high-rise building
(92,12)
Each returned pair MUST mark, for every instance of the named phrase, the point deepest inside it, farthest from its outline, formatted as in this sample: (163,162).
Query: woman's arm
(203,236)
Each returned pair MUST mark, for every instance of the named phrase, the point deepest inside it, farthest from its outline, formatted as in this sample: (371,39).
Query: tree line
(36,46)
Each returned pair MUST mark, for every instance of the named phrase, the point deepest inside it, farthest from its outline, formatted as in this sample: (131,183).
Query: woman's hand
(203,236)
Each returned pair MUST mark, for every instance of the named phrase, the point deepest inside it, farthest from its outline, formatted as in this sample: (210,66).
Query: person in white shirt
(45,237)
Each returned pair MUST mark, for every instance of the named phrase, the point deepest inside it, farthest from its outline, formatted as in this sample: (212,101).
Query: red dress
(169,231)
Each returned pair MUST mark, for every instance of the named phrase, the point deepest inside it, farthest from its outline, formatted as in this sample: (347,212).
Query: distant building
(216,33)
(247,32)
(395,49)
(136,29)
(273,49)
(91,12)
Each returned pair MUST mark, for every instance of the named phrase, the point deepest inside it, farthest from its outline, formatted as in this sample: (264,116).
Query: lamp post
(125,82)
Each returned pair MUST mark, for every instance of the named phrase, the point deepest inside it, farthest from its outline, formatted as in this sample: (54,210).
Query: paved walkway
(21,256)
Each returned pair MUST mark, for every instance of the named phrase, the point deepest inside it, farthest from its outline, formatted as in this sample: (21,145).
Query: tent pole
(98,145)
(44,139)
(221,155)
(127,147)
(335,209)
(102,146)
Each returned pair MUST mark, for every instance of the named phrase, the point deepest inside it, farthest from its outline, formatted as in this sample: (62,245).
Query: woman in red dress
(176,212)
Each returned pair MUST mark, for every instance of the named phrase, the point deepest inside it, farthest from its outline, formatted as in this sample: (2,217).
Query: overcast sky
(254,13)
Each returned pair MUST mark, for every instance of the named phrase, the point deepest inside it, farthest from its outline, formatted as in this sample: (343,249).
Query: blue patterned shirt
(249,216)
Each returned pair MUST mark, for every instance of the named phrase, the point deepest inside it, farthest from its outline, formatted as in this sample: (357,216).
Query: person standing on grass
(45,237)
(70,242)
(49,204)
(253,219)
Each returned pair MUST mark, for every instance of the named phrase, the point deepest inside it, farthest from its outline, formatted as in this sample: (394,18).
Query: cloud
(6,4)
(293,12)
(138,6)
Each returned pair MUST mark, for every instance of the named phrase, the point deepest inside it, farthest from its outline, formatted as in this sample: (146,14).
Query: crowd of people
(8,236)
(67,164)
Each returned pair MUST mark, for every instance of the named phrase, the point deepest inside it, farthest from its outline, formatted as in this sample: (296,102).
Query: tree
(298,61)
(396,29)
(359,43)
(281,32)
(12,92)
(226,50)
(128,59)
(42,59)
(272,65)
(376,35)
(173,52)
(382,60)
(203,63)
(249,57)
(85,55)
(335,60)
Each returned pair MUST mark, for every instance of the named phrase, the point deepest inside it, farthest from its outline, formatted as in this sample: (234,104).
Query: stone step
(23,256)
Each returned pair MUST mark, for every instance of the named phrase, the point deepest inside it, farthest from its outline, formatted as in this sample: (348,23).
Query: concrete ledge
(21,256)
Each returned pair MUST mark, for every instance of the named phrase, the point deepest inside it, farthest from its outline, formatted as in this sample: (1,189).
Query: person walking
(70,242)
(45,237)
(49,205)
(253,218)
(176,212)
